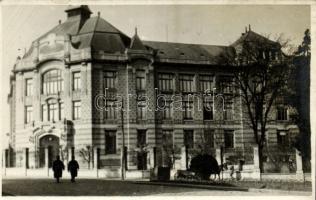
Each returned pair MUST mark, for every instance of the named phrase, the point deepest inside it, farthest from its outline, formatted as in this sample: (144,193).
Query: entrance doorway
(52,143)
(142,160)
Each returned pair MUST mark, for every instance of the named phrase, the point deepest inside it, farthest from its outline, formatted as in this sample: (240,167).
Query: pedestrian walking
(58,167)
(73,167)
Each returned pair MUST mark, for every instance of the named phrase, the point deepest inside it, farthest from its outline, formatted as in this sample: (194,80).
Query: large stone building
(66,89)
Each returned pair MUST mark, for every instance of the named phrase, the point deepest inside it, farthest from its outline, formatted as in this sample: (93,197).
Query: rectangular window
(228,112)
(166,109)
(141,138)
(187,109)
(29,87)
(166,82)
(44,113)
(76,81)
(76,110)
(283,138)
(188,138)
(110,142)
(206,83)
(141,109)
(28,114)
(207,108)
(186,83)
(282,113)
(53,82)
(140,80)
(109,79)
(110,111)
(61,111)
(226,85)
(209,138)
(229,138)
(53,112)
(167,137)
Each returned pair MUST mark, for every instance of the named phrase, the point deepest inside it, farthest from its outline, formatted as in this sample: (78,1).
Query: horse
(217,172)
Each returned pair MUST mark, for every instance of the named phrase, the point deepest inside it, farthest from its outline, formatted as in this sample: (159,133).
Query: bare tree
(86,154)
(63,153)
(261,72)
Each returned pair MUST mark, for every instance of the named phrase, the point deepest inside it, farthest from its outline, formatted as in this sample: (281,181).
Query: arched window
(53,82)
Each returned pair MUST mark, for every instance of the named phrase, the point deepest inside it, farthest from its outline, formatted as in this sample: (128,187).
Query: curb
(296,192)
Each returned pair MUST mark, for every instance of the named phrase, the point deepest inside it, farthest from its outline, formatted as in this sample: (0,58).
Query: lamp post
(123,171)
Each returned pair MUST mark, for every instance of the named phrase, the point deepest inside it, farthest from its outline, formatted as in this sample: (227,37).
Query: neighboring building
(56,107)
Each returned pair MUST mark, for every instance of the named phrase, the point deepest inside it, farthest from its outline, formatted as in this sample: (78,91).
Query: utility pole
(123,171)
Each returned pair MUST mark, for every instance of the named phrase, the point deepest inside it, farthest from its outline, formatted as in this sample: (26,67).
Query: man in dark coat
(73,167)
(58,167)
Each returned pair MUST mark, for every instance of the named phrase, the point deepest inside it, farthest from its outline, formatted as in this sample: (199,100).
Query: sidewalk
(21,173)
(14,173)
(198,186)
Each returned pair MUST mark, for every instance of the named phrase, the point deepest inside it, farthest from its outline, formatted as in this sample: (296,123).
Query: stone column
(299,166)
(46,160)
(184,158)
(46,157)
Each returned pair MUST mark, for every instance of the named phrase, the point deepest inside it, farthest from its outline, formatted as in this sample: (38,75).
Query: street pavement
(102,187)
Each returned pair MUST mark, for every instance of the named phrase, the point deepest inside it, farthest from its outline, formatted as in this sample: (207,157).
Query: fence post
(256,170)
(218,155)
(25,160)
(4,163)
(299,166)
(184,158)
(96,155)
(152,157)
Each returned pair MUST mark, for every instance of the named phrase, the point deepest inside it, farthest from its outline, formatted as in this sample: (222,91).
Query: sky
(199,24)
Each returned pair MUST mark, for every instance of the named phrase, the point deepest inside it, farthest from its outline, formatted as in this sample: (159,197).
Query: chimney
(249,28)
(81,13)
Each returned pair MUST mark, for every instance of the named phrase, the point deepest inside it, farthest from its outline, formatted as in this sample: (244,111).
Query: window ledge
(111,155)
(166,91)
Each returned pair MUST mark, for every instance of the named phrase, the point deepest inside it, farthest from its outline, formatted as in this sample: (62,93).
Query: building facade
(176,99)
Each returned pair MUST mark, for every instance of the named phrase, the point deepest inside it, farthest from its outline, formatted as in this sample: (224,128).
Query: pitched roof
(96,33)
(101,35)
(68,27)
(251,36)
(97,24)
(136,43)
(194,52)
